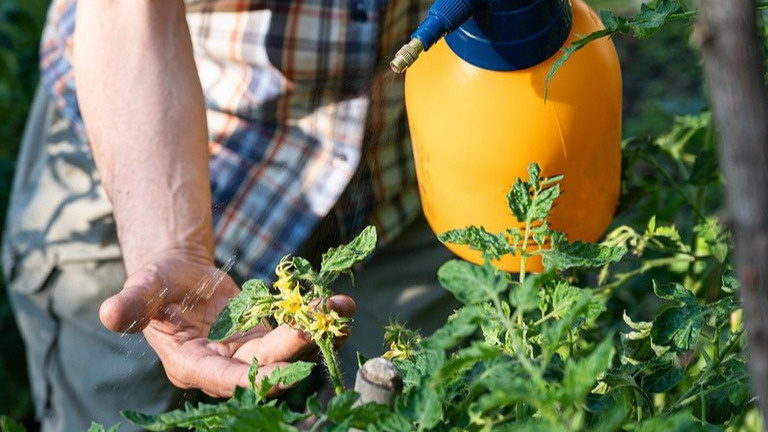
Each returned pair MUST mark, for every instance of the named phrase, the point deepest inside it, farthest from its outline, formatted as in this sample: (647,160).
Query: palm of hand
(174,302)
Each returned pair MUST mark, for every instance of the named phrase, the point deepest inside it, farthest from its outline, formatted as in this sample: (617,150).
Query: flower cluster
(402,342)
(302,308)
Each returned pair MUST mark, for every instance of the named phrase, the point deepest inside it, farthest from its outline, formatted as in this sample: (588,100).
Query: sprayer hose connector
(406,56)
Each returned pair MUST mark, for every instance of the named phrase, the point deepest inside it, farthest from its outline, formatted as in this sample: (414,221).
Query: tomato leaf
(581,375)
(393,422)
(245,311)
(287,376)
(636,344)
(662,378)
(681,422)
(463,323)
(262,418)
(466,358)
(678,327)
(519,200)
(675,292)
(342,258)
(527,296)
(564,255)
(730,282)
(471,283)
(491,246)
(345,411)
(716,238)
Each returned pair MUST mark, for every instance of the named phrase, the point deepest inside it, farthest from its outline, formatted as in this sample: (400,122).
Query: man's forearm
(140,97)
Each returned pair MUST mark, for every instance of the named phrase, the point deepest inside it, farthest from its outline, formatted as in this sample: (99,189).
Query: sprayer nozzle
(406,55)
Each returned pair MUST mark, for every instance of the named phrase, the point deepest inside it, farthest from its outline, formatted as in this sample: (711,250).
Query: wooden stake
(378,381)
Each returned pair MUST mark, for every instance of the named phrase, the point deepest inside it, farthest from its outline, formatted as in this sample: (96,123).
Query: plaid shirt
(304,117)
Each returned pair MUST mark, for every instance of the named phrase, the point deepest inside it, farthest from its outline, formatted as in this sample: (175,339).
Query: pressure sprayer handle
(443,17)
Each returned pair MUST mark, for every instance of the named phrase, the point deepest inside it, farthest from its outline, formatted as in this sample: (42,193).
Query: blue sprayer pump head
(500,35)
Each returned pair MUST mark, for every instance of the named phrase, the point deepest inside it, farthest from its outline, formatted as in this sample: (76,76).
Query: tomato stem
(331,362)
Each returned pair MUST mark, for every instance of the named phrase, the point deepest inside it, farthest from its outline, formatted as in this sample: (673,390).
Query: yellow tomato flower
(289,305)
(283,285)
(396,352)
(326,323)
(284,280)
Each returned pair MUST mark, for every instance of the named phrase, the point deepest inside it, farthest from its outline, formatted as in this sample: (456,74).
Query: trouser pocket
(26,281)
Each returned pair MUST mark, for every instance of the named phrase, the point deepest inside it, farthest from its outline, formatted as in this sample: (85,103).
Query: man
(211,133)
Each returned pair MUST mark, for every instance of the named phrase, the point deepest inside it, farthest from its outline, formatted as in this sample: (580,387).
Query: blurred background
(661,76)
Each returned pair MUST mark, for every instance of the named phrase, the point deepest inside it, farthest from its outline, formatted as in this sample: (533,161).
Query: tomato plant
(552,351)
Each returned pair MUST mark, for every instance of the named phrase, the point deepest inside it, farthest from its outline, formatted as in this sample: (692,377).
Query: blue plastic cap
(509,35)
(499,35)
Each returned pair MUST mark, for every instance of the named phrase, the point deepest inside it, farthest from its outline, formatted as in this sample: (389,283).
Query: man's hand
(175,301)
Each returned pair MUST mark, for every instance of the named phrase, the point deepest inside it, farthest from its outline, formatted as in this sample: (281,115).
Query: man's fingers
(206,366)
(218,376)
(285,344)
(282,344)
(342,304)
(135,305)
(231,375)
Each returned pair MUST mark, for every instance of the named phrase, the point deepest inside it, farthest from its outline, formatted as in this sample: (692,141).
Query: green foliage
(247,406)
(677,327)
(641,332)
(341,259)
(247,410)
(243,407)
(649,21)
(530,202)
(492,245)
(547,351)
(286,376)
(471,284)
(564,255)
(95,427)
(235,318)
(8,425)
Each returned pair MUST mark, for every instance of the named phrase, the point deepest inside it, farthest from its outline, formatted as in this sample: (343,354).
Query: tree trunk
(732,52)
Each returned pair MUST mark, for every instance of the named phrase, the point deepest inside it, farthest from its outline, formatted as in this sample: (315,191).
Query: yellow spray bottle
(478,115)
